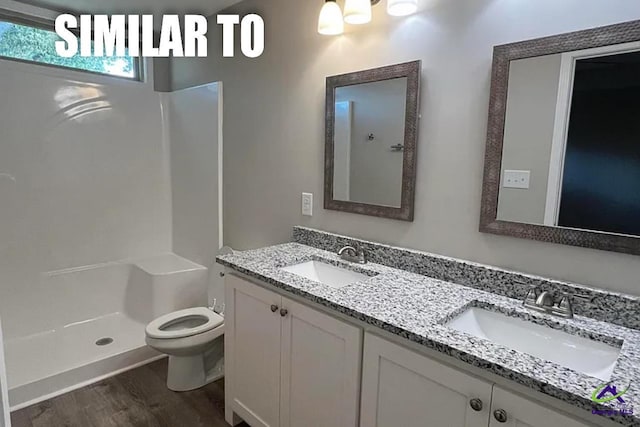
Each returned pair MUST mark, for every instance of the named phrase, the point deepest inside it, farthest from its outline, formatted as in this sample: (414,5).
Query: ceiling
(156,7)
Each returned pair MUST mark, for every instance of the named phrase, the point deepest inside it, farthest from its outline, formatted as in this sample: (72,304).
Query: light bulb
(401,7)
(357,11)
(330,21)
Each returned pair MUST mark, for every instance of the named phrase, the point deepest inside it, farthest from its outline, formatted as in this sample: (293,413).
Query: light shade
(330,20)
(357,11)
(401,7)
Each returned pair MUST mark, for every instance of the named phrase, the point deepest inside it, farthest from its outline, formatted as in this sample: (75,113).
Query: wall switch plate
(307,204)
(516,179)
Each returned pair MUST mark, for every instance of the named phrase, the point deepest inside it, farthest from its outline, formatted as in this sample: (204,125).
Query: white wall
(528,134)
(83,174)
(193,129)
(274,125)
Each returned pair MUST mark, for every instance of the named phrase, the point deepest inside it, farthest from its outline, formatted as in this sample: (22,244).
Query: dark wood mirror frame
(502,56)
(410,70)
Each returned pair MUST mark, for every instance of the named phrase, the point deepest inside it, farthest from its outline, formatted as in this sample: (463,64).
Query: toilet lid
(184,323)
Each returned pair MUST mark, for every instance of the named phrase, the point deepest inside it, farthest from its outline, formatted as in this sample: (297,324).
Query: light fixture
(357,11)
(401,7)
(330,21)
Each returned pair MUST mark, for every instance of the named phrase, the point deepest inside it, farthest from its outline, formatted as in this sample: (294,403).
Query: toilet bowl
(189,337)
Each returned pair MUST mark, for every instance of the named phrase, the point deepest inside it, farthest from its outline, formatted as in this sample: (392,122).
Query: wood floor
(138,398)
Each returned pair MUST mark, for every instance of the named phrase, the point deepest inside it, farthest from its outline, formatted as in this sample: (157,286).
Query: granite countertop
(417,308)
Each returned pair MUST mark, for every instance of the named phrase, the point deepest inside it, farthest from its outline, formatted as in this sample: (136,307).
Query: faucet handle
(532,293)
(565,305)
(565,300)
(362,255)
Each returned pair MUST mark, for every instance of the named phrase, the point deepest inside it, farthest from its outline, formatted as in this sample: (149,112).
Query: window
(28,43)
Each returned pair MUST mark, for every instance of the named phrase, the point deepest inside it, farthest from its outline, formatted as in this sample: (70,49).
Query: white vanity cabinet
(287,364)
(404,388)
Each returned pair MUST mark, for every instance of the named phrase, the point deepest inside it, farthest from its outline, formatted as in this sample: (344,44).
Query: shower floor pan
(51,363)
(90,322)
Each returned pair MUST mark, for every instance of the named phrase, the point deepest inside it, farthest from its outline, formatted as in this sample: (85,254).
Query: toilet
(193,340)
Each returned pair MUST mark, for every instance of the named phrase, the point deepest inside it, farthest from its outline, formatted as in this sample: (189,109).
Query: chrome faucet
(545,302)
(351,254)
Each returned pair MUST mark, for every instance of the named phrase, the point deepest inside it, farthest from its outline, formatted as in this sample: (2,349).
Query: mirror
(563,152)
(368,141)
(371,135)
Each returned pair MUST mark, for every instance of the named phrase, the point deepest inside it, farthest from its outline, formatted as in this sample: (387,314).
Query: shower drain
(104,341)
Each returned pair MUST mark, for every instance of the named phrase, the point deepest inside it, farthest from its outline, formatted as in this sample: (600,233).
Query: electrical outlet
(516,179)
(307,204)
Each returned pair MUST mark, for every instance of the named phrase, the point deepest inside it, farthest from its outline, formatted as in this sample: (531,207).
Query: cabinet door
(320,369)
(403,388)
(521,412)
(252,353)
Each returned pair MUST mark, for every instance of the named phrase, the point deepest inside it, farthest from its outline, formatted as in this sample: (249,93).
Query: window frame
(49,25)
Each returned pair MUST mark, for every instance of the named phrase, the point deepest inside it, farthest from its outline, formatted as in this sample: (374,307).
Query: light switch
(516,179)
(307,204)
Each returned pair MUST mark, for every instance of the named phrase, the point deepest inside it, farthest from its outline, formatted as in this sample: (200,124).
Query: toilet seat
(184,323)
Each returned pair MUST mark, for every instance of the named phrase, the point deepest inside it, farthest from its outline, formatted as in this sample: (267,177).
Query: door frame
(5,418)
(562,117)
(347,107)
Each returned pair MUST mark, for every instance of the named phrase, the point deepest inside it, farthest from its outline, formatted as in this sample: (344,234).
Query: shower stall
(109,217)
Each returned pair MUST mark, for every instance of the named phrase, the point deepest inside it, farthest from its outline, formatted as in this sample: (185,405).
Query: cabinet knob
(274,308)
(500,415)
(476,404)
(283,312)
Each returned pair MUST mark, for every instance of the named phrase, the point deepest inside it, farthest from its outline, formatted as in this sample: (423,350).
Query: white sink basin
(593,358)
(327,274)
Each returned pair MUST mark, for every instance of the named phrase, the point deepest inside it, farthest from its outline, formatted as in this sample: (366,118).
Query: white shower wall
(194,130)
(83,175)
(102,180)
